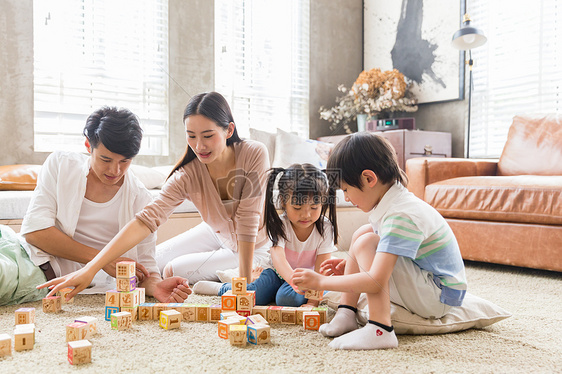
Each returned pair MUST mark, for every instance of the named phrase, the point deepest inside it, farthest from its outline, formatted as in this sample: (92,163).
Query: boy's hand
(172,290)
(333,266)
(306,279)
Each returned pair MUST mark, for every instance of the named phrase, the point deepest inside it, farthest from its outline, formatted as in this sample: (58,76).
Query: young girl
(225,178)
(302,237)
(408,254)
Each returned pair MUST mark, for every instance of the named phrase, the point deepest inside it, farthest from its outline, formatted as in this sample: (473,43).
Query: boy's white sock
(207,288)
(344,321)
(373,336)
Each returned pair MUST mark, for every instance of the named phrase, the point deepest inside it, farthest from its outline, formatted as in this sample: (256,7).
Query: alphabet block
(112,298)
(52,304)
(288,315)
(62,293)
(311,320)
(175,306)
(313,294)
(23,339)
(157,308)
(133,311)
(239,285)
(109,310)
(76,331)
(237,335)
(125,269)
(253,294)
(300,311)
(127,299)
(170,319)
(121,321)
(274,314)
(142,295)
(202,312)
(259,334)
(226,315)
(27,327)
(188,312)
(224,327)
(215,313)
(244,302)
(323,311)
(256,319)
(145,311)
(92,324)
(228,301)
(79,352)
(25,316)
(126,284)
(260,309)
(244,313)
(5,345)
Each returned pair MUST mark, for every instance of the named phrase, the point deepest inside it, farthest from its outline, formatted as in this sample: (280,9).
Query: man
(80,203)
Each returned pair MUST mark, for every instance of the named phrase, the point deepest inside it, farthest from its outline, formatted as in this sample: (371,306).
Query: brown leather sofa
(507,211)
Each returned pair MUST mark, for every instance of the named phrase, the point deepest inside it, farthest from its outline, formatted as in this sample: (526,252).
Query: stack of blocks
(80,349)
(126,297)
(24,332)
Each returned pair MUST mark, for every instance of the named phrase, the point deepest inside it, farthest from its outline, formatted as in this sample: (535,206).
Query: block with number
(260,309)
(224,327)
(313,294)
(112,298)
(239,285)
(244,302)
(170,319)
(311,320)
(274,314)
(256,319)
(5,345)
(145,311)
(134,312)
(52,304)
(121,321)
(237,335)
(25,316)
(202,312)
(300,311)
(24,339)
(79,352)
(188,312)
(259,334)
(109,310)
(228,301)
(76,331)
(125,269)
(288,315)
(142,295)
(62,293)
(157,308)
(126,284)
(215,313)
(27,327)
(92,324)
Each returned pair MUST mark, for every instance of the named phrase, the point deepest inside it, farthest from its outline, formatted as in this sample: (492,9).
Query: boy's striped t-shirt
(409,227)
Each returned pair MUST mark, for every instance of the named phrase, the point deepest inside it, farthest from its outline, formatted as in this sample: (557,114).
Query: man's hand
(306,279)
(333,266)
(141,274)
(172,290)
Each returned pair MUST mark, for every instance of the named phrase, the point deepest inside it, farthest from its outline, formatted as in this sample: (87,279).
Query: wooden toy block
(109,310)
(215,313)
(256,319)
(142,295)
(311,320)
(259,334)
(62,293)
(253,294)
(30,327)
(244,302)
(25,316)
(300,311)
(157,308)
(79,352)
(175,306)
(188,312)
(226,315)
(323,311)
(202,312)
(134,312)
(126,284)
(170,319)
(52,304)
(112,298)
(76,331)
(239,286)
(125,269)
(260,309)
(23,339)
(224,327)
(126,299)
(145,311)
(5,345)
(274,314)
(244,313)
(228,301)
(92,324)
(313,294)
(241,319)
(121,321)
(237,335)
(288,315)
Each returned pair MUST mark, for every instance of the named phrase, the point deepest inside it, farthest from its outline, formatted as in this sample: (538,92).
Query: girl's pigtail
(273,223)
(332,211)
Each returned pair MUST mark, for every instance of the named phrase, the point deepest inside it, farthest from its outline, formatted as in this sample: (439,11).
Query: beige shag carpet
(528,342)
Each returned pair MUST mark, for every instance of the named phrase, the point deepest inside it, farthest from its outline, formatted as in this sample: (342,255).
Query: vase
(361,120)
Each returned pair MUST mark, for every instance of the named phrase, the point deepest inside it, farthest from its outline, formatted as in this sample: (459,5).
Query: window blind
(518,71)
(262,63)
(88,54)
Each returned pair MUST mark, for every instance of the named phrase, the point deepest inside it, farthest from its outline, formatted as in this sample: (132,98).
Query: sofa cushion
(533,147)
(523,199)
(18,177)
(291,149)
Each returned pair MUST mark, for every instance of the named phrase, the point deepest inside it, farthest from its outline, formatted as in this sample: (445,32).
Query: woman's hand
(172,290)
(333,266)
(78,280)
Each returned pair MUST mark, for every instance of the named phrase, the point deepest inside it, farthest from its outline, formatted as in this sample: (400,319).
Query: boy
(408,255)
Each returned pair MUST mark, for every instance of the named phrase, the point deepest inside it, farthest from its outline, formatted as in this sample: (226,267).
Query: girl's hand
(172,290)
(141,272)
(79,280)
(333,266)
(306,279)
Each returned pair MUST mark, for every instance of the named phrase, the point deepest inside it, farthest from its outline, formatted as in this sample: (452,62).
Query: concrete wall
(336,42)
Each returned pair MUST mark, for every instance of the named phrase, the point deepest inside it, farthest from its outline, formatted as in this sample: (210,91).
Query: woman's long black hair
(299,184)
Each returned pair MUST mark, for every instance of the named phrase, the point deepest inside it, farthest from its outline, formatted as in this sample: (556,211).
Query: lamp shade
(468,37)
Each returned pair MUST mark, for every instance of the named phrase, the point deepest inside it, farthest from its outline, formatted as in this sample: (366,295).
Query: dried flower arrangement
(374,92)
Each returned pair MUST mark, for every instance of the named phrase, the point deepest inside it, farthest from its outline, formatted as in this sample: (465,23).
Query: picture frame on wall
(414,37)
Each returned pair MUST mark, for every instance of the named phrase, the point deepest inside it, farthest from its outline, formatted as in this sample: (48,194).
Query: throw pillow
(150,177)
(475,312)
(291,149)
(19,177)
(266,138)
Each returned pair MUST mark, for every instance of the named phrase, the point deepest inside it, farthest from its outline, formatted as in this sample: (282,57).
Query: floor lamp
(467,38)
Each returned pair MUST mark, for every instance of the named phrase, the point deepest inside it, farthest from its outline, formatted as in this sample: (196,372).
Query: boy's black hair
(117,129)
(364,151)
(297,185)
